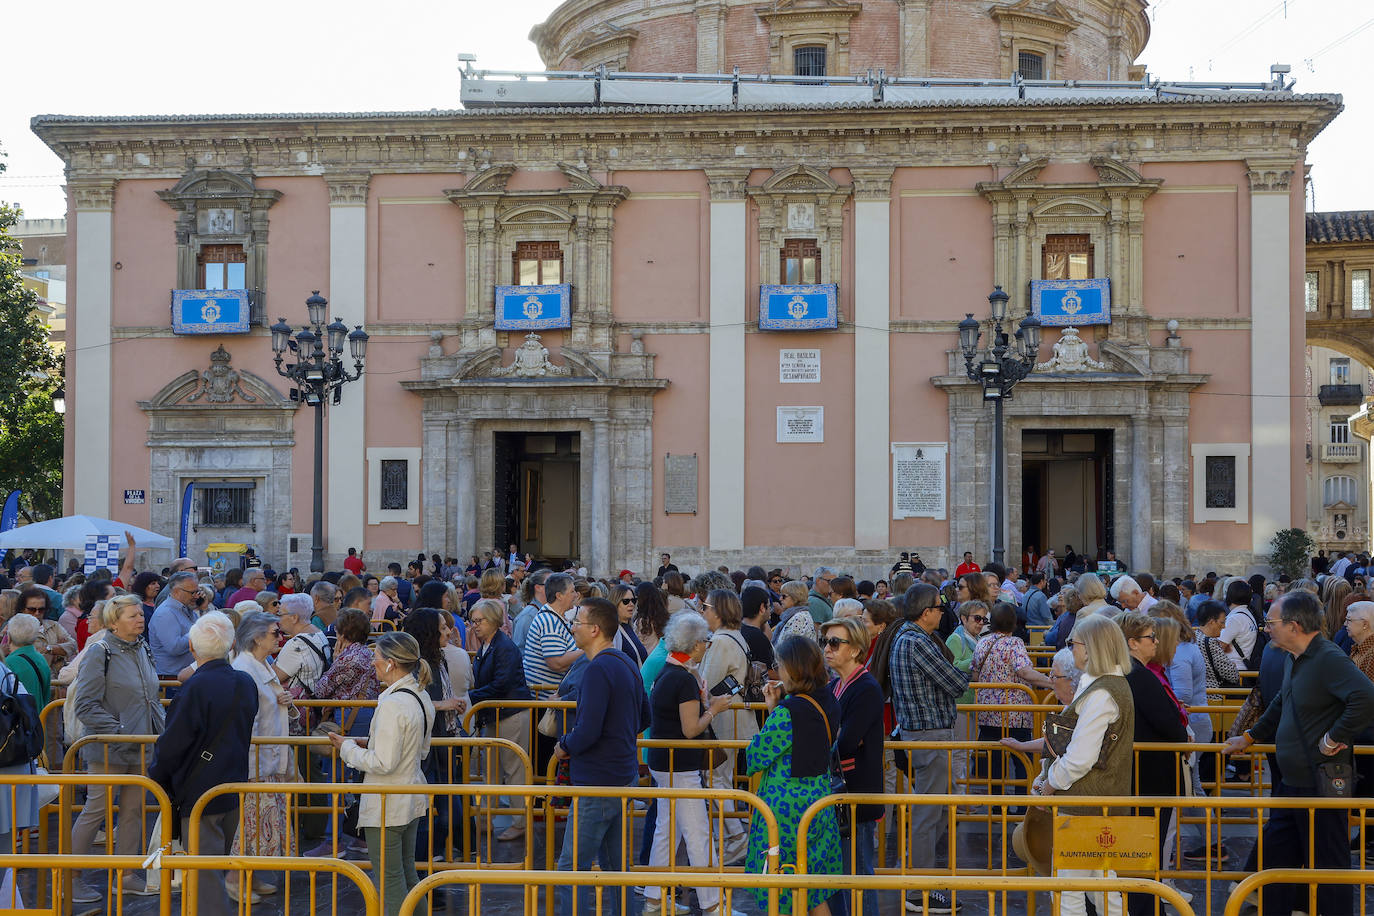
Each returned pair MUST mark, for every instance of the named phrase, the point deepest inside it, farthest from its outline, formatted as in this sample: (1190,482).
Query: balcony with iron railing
(1336,395)
(1340,453)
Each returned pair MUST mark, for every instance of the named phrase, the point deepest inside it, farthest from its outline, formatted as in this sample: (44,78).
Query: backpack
(1257,653)
(754,676)
(21,732)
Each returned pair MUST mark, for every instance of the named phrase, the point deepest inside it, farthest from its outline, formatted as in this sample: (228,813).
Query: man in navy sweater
(612,709)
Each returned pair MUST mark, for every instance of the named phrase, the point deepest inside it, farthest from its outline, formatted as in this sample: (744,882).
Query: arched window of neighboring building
(801,262)
(808,60)
(1030,66)
(537,264)
(1339,489)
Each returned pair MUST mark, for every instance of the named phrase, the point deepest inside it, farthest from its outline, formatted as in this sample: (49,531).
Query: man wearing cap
(626,577)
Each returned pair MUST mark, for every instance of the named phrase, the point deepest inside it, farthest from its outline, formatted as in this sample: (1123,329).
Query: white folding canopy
(70,533)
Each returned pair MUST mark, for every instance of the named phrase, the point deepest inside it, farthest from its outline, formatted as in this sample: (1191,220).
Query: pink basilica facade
(628,232)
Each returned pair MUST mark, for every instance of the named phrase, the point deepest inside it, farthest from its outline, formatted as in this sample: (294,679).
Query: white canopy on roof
(70,533)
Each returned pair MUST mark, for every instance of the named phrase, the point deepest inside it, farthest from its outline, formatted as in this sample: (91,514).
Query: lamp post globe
(317,371)
(1006,362)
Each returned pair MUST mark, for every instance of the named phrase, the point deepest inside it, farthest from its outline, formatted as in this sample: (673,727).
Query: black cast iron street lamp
(318,372)
(998,368)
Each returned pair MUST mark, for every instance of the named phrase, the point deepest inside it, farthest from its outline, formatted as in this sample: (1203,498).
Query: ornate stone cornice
(790,14)
(707,139)
(1269,176)
(1053,20)
(727,182)
(347,189)
(92,193)
(872,182)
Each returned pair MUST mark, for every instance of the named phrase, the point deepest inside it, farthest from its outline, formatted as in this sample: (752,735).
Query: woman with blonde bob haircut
(391,755)
(1106,721)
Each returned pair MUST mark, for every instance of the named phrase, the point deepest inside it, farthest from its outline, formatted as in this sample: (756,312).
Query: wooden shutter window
(214,268)
(801,262)
(537,264)
(1067,257)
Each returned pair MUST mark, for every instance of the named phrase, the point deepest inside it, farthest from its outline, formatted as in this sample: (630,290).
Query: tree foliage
(30,432)
(1290,552)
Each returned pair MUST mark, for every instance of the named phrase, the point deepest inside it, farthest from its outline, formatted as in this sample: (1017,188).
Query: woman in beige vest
(1106,718)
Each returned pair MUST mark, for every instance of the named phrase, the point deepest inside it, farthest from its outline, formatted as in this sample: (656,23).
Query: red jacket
(967,568)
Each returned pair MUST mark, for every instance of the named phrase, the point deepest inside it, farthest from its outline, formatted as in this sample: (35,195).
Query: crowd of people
(844,671)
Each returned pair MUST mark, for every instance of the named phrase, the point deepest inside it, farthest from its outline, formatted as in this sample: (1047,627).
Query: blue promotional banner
(798,308)
(209,311)
(9,516)
(1061,303)
(185,520)
(533,308)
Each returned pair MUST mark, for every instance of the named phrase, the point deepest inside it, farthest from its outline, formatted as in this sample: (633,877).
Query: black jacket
(499,674)
(1156,719)
(1322,691)
(213,713)
(860,741)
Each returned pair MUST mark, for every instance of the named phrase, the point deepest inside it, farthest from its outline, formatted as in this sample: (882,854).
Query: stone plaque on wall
(918,479)
(799,366)
(801,424)
(679,484)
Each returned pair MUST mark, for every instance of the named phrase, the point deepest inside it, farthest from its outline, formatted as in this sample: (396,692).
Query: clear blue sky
(166,57)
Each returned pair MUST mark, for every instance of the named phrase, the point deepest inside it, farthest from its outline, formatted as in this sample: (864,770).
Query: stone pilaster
(601,497)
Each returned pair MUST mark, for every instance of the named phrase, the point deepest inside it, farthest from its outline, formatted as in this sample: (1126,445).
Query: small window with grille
(225,506)
(537,264)
(1359,290)
(222,267)
(801,262)
(808,61)
(1221,481)
(1030,66)
(1311,290)
(1067,257)
(395,484)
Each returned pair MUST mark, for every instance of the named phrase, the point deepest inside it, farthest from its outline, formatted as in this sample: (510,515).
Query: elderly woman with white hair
(387,604)
(679,713)
(307,652)
(214,710)
(265,831)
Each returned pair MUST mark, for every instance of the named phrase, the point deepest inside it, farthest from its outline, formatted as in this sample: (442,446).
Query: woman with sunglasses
(973,620)
(1158,717)
(264,831)
(679,713)
(859,742)
(623,597)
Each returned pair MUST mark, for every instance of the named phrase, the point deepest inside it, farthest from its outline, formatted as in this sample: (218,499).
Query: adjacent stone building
(885,163)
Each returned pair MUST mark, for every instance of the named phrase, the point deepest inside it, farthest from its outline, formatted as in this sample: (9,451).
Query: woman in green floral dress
(793,754)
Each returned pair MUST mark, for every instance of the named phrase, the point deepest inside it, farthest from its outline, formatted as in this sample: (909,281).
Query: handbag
(714,756)
(1059,728)
(837,783)
(1335,775)
(1249,713)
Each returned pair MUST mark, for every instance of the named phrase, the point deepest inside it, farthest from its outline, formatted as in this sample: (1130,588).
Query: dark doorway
(536,503)
(1066,484)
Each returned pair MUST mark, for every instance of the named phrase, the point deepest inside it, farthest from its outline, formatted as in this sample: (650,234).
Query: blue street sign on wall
(533,308)
(1062,303)
(798,308)
(209,311)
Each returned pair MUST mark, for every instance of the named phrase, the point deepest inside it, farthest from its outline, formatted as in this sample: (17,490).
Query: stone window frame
(193,197)
(376,515)
(1352,268)
(1110,211)
(1035,31)
(806,185)
(1311,291)
(580,217)
(1240,451)
(791,25)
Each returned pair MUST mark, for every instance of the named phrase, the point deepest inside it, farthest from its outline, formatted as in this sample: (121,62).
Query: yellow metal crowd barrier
(604,885)
(1311,877)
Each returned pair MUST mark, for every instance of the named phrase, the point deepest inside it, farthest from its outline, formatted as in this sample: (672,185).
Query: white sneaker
(656,908)
(735,848)
(1170,882)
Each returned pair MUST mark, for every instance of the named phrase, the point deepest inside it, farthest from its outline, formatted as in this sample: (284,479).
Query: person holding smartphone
(727,657)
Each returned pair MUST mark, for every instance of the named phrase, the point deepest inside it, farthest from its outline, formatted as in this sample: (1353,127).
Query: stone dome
(964,39)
